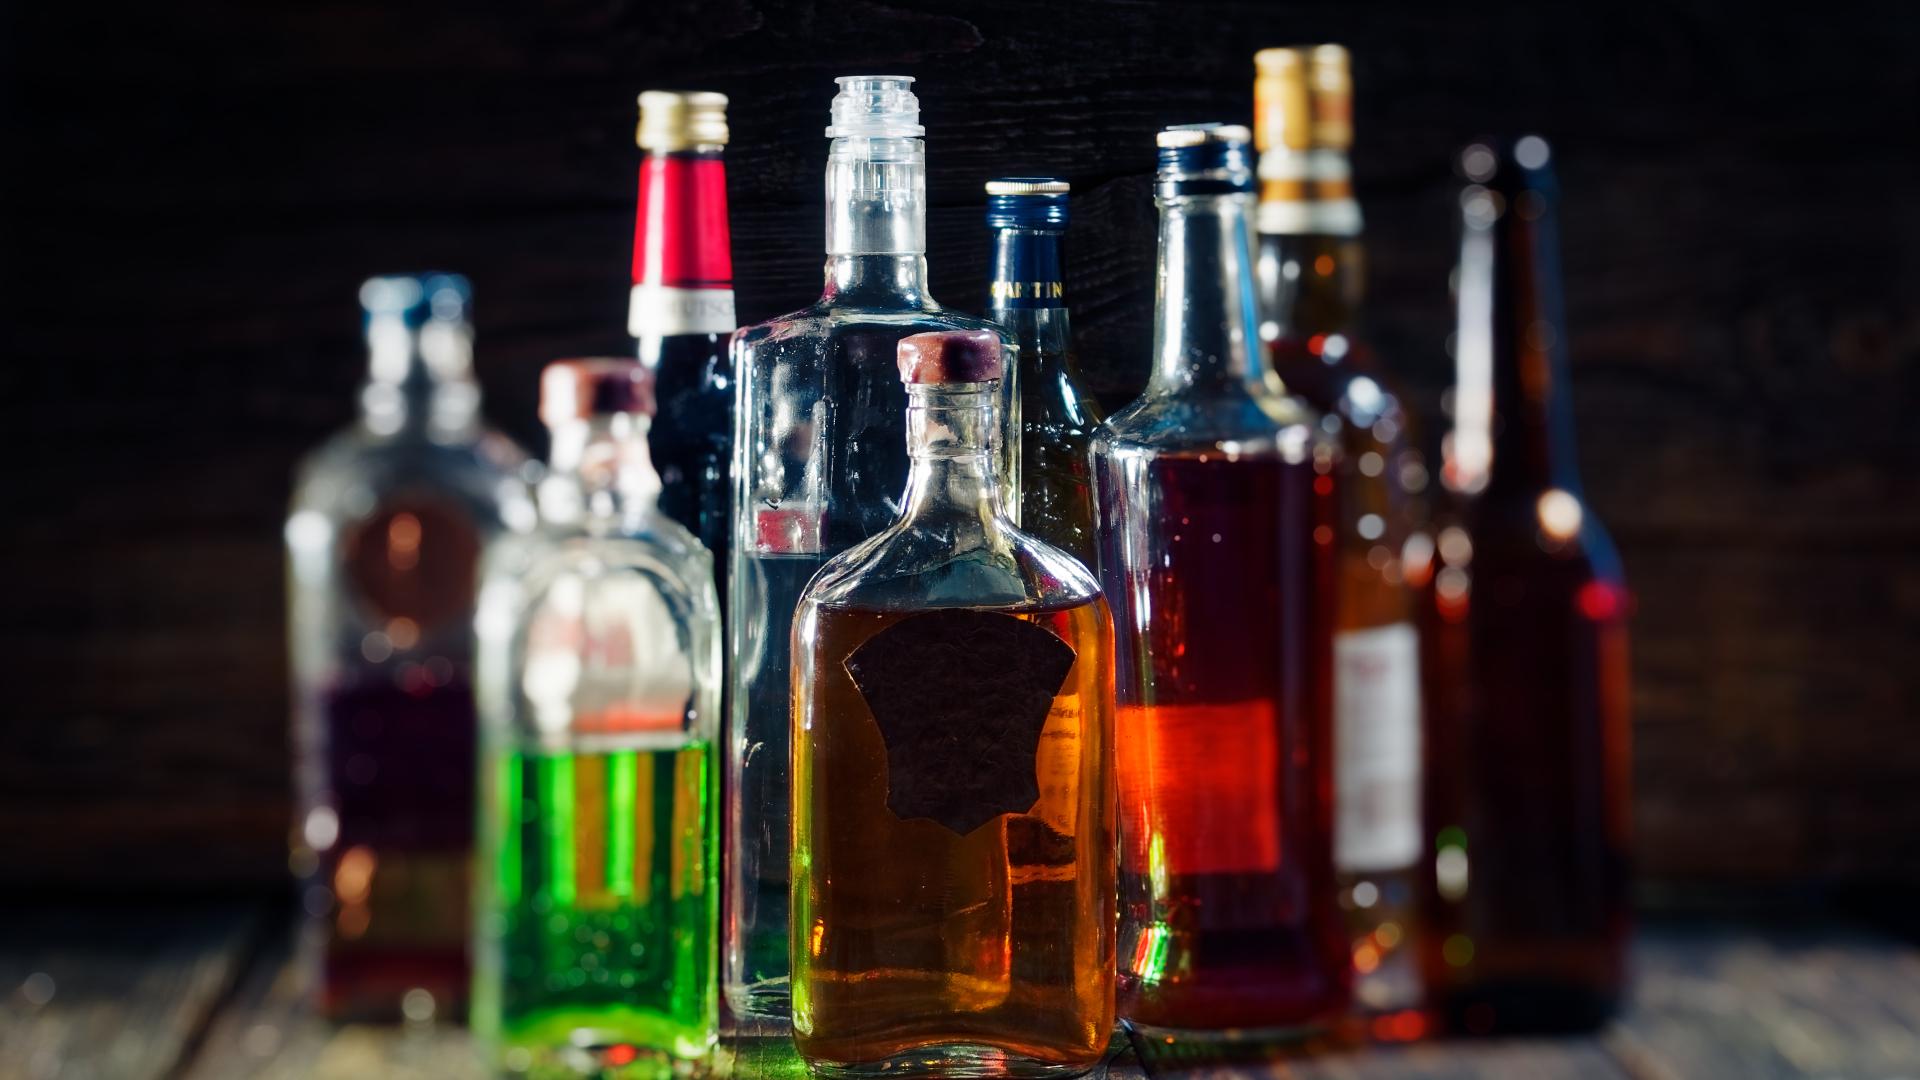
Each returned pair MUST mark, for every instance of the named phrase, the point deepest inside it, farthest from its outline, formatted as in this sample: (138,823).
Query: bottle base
(1175,1048)
(761,1001)
(952,1061)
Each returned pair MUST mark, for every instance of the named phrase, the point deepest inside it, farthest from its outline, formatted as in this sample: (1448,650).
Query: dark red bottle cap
(585,388)
(950,356)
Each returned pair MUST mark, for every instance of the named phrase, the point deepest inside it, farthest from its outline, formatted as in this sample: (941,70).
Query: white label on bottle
(661,310)
(1376,706)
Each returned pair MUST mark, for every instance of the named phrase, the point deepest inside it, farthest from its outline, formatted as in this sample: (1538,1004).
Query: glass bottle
(384,537)
(1215,497)
(1529,760)
(1311,278)
(598,901)
(953,800)
(1028,217)
(820,462)
(682,309)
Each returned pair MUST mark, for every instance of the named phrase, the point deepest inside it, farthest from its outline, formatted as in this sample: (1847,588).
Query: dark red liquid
(1528,778)
(401,764)
(1228,900)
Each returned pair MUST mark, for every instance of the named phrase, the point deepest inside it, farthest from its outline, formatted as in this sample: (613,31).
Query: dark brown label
(415,560)
(960,698)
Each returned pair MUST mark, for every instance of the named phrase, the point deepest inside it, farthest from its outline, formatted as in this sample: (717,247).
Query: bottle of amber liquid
(1527,803)
(1215,493)
(1028,296)
(1311,276)
(953,800)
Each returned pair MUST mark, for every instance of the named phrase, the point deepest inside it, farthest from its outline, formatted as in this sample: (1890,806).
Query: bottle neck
(1513,414)
(1028,295)
(420,378)
(601,477)
(1206,323)
(682,250)
(953,435)
(877,222)
(1311,285)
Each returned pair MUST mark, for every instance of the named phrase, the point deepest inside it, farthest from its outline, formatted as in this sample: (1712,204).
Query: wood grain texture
(194,191)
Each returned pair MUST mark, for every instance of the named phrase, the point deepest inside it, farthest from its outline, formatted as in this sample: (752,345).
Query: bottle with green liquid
(599,673)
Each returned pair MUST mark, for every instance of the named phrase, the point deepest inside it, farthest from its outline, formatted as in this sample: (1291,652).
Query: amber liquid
(1229,913)
(909,936)
(1528,775)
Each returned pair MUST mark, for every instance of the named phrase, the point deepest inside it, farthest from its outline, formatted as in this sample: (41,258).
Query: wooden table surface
(210,993)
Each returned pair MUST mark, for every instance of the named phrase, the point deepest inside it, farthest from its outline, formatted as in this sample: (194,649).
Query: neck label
(1028,271)
(682,257)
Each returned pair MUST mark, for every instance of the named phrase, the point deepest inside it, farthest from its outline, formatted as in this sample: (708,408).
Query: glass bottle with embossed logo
(820,460)
(383,541)
(1310,273)
(953,798)
(1215,492)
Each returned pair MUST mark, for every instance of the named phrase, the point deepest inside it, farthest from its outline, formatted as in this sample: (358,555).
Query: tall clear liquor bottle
(1529,761)
(1215,497)
(383,541)
(1028,297)
(953,800)
(599,687)
(820,462)
(682,308)
(1311,277)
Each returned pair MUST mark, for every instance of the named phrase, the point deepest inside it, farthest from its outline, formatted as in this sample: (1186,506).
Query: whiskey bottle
(1529,760)
(682,308)
(599,689)
(1215,496)
(1028,217)
(820,462)
(953,800)
(1311,277)
(384,538)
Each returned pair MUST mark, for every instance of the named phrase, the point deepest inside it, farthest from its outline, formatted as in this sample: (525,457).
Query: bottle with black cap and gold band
(1214,494)
(1310,274)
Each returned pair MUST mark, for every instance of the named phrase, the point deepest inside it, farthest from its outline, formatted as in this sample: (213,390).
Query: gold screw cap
(681,120)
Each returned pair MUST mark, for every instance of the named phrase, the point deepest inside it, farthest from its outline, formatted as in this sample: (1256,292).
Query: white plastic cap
(875,107)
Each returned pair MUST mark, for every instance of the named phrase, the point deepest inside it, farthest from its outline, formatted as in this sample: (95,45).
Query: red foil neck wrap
(680,237)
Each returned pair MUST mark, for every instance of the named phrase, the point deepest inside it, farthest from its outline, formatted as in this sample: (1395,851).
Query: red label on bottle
(680,237)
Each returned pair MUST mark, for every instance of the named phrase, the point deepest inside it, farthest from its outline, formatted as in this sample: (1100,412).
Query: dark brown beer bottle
(1525,650)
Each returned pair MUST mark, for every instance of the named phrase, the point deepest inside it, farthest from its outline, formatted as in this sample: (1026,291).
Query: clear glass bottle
(681,310)
(1529,803)
(1028,297)
(1311,274)
(1215,493)
(599,685)
(384,537)
(820,462)
(953,799)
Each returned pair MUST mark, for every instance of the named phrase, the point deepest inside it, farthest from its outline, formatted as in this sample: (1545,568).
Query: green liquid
(599,918)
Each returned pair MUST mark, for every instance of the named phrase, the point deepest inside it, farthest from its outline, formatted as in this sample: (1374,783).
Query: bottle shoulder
(1232,420)
(358,469)
(822,320)
(915,566)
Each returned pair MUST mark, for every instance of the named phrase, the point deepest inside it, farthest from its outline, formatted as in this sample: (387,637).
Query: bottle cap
(875,107)
(681,120)
(950,356)
(417,298)
(1027,202)
(1303,98)
(1204,159)
(581,389)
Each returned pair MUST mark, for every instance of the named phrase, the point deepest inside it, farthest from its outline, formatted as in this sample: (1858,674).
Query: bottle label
(1306,194)
(1201,787)
(1376,700)
(1027,271)
(682,254)
(662,311)
(413,567)
(961,698)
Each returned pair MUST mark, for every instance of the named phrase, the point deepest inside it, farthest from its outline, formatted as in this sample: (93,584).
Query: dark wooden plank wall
(193,191)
